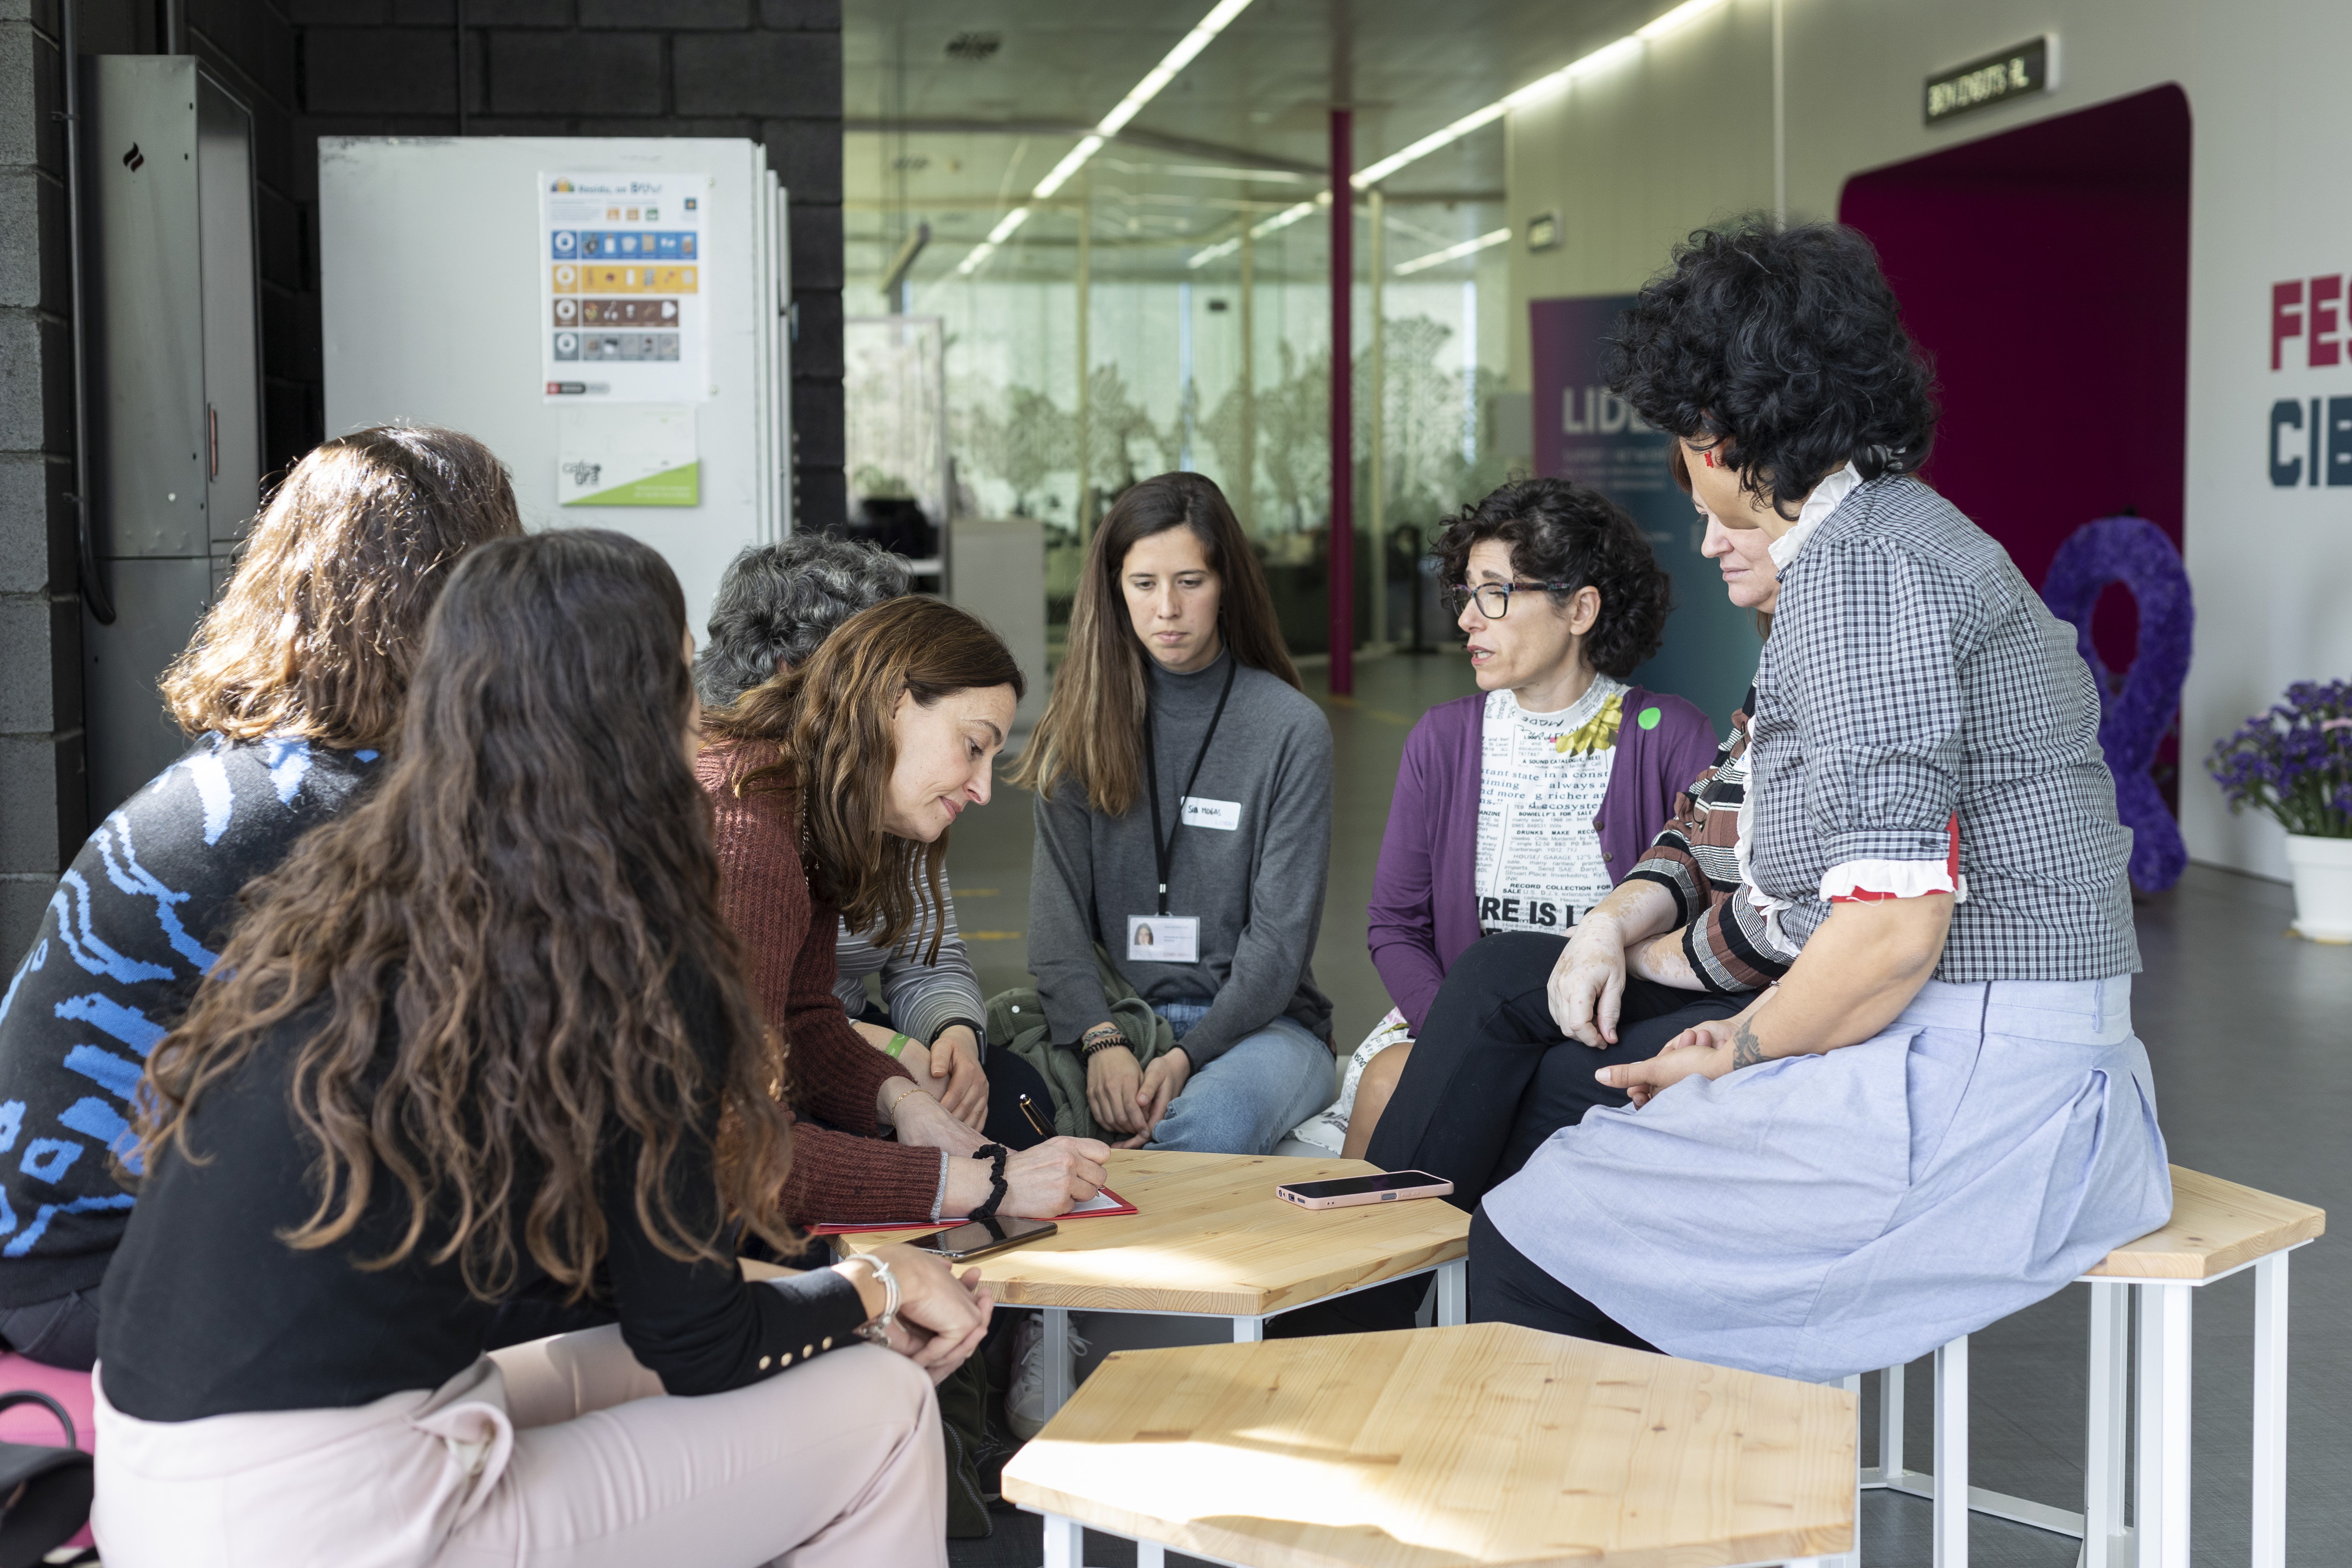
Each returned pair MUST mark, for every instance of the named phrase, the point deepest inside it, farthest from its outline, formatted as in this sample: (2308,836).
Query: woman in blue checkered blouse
(1941,1114)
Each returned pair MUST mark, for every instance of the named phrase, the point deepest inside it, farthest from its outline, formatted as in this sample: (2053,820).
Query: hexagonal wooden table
(1482,1444)
(1210,1239)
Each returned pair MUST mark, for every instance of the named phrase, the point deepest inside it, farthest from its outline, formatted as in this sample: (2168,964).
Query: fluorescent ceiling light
(1542,87)
(1452,253)
(1259,230)
(1127,108)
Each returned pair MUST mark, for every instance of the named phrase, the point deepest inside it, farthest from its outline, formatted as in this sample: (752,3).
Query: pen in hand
(1029,1109)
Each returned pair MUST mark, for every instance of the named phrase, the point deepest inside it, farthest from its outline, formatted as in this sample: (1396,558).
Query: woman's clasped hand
(942,1316)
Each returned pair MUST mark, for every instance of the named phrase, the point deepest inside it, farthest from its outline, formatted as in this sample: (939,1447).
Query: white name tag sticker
(1164,939)
(1203,812)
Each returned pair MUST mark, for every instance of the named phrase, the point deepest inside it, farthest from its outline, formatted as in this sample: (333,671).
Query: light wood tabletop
(1210,1236)
(2216,1226)
(1488,1444)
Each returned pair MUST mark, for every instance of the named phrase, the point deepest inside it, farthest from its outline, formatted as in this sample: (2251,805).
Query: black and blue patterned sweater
(133,926)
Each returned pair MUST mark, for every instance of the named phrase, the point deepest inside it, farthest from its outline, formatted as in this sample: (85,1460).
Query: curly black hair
(1560,532)
(1787,346)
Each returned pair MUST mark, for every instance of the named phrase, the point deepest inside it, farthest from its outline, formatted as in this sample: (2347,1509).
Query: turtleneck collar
(1182,693)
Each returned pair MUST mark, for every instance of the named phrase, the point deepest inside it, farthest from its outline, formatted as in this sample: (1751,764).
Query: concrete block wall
(769,71)
(41,809)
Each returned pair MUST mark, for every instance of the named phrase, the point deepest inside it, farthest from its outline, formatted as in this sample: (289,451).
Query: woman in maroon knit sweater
(834,785)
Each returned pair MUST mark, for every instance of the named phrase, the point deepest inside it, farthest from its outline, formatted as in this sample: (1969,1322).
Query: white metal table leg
(2270,1411)
(2105,1538)
(1054,1344)
(2160,1506)
(1951,1519)
(1065,1542)
(1454,1292)
(1151,1554)
(1248,1330)
(1890,1422)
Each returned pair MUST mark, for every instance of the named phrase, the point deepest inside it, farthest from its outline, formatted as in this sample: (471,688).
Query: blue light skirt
(1824,1214)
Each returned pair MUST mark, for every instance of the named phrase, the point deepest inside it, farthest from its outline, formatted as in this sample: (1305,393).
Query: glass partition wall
(1202,323)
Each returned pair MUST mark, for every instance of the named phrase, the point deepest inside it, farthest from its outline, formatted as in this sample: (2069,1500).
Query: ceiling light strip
(1218,17)
(1451,253)
(1542,87)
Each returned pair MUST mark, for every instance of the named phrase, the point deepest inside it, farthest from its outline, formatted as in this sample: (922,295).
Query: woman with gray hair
(775,605)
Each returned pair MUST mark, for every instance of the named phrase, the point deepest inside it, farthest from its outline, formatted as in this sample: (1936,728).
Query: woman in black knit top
(485,1033)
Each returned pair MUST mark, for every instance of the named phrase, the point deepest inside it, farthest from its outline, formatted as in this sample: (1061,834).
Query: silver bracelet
(877,1331)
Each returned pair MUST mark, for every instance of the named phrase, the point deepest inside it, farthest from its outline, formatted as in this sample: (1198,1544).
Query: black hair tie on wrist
(998,1186)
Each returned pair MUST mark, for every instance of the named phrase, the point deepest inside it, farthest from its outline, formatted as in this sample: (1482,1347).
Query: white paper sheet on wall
(623,287)
(627,455)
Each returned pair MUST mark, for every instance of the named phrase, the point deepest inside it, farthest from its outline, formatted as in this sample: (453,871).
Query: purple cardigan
(1424,908)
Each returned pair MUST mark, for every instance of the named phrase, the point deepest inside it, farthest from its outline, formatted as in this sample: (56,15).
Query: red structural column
(1343,413)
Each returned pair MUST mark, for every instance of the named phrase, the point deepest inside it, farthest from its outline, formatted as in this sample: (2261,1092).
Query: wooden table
(1211,1239)
(1488,1443)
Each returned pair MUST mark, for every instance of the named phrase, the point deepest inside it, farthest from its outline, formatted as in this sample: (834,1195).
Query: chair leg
(2270,1411)
(1852,1556)
(2160,1504)
(1952,1518)
(1890,1422)
(1065,1542)
(2105,1538)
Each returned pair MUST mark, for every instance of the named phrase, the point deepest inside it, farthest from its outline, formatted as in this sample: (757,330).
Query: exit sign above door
(2029,67)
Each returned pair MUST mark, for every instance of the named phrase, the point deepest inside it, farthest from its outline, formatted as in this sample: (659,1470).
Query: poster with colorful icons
(624,295)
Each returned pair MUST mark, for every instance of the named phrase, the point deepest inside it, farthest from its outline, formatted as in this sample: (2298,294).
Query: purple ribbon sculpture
(2134,551)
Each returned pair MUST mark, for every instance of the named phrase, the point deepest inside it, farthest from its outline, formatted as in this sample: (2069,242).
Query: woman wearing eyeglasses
(1519,808)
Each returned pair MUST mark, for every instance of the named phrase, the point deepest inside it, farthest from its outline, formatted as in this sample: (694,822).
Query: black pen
(1029,1109)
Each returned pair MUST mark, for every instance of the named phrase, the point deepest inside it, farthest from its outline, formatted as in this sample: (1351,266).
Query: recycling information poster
(627,455)
(624,313)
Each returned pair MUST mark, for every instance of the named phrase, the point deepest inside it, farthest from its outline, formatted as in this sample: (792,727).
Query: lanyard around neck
(1164,850)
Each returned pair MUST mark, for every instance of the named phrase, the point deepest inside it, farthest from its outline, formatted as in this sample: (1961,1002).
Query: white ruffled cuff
(1864,881)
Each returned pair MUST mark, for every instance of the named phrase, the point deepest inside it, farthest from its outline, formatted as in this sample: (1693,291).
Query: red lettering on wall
(2286,321)
(2321,340)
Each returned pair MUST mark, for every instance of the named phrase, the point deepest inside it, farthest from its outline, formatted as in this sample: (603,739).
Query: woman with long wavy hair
(1184,787)
(484,1031)
(834,784)
(291,690)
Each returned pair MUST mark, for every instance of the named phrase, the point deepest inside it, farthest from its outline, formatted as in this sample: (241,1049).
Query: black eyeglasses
(1495,598)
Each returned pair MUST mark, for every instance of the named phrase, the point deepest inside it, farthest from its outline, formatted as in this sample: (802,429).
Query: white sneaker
(1024,1401)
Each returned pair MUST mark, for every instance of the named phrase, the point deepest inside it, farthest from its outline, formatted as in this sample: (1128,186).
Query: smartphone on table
(977,1238)
(1347,1191)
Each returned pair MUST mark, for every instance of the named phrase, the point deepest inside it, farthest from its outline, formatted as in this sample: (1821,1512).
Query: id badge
(1164,939)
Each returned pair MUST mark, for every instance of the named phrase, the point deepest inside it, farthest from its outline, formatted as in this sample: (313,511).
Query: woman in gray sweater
(1184,786)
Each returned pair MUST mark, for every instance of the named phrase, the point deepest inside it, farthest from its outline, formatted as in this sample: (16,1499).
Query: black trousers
(1507,1287)
(1492,1078)
(62,1333)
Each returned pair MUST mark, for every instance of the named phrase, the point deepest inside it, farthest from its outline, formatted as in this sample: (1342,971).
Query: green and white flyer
(628,455)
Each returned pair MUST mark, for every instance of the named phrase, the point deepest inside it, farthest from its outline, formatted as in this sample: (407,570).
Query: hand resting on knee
(1587,983)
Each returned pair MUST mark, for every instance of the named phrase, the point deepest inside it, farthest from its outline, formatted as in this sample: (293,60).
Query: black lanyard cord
(1164,850)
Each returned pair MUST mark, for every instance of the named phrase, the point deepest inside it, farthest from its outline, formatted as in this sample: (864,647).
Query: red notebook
(1104,1202)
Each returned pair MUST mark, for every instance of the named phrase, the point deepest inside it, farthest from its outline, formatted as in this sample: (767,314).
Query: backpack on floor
(48,1488)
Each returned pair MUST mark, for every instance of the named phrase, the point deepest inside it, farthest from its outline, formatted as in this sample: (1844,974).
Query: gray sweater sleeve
(1286,899)
(925,998)
(1062,933)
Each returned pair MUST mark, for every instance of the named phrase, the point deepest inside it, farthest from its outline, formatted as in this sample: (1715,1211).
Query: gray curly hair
(778,602)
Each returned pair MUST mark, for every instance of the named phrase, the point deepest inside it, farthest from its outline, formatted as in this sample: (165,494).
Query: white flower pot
(2322,868)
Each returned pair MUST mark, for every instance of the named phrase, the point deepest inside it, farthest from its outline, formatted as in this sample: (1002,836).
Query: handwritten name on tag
(1199,812)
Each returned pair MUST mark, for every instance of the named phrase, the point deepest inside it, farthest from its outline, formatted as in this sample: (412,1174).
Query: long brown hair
(516,899)
(823,728)
(1093,727)
(316,630)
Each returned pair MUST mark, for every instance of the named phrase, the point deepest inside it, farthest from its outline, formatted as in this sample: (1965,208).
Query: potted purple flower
(2295,763)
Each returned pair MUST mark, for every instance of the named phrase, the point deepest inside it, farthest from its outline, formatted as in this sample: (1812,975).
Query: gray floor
(2251,1034)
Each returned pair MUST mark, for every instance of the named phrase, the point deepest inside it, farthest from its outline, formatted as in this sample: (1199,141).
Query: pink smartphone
(1347,1192)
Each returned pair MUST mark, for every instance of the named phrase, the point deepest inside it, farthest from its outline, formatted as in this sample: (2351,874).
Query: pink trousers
(565,1452)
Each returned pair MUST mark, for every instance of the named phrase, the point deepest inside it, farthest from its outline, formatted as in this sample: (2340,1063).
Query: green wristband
(897,1046)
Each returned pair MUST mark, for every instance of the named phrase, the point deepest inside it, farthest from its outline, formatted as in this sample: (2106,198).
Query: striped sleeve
(922,999)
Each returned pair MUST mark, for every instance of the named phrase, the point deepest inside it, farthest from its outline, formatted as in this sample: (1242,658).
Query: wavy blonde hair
(822,730)
(318,628)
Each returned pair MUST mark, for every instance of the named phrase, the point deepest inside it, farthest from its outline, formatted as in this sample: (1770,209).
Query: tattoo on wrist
(1747,1050)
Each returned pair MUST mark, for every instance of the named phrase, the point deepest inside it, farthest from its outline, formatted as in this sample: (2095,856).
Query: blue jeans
(1245,1100)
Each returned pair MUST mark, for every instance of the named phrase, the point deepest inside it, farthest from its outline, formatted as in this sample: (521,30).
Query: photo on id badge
(1164,939)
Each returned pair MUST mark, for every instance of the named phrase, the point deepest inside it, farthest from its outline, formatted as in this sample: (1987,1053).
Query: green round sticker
(1648,718)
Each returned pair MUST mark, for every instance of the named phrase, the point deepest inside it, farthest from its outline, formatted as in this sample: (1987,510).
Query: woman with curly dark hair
(1516,809)
(485,1031)
(1939,1114)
